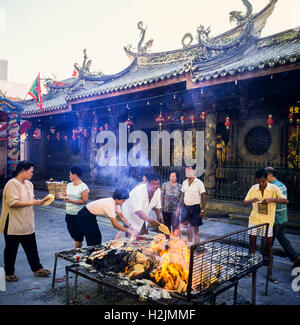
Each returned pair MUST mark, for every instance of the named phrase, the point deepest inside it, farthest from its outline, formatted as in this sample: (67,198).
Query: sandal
(11,278)
(272,279)
(43,272)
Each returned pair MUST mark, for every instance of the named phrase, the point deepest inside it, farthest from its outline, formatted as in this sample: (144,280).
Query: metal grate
(226,258)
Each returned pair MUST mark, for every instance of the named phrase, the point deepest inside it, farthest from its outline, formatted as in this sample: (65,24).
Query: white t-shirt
(104,207)
(192,193)
(74,193)
(139,201)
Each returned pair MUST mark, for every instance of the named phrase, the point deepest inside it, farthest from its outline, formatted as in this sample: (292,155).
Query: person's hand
(59,195)
(133,232)
(68,200)
(154,223)
(266,201)
(255,200)
(202,214)
(39,202)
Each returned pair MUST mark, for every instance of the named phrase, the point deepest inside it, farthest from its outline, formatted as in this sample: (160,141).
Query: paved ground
(52,236)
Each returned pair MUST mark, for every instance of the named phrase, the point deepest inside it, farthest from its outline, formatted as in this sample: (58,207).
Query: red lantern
(85,134)
(101,129)
(95,129)
(227,123)
(48,137)
(74,134)
(203,116)
(106,126)
(270,121)
(181,119)
(192,118)
(291,118)
(58,136)
(128,122)
(160,120)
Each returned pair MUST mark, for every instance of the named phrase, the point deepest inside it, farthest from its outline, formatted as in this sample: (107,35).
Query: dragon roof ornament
(237,15)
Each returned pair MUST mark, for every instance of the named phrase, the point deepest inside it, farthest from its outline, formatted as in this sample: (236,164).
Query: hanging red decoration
(203,116)
(85,134)
(192,119)
(48,137)
(74,134)
(291,118)
(106,126)
(128,122)
(270,122)
(227,123)
(101,129)
(182,119)
(58,136)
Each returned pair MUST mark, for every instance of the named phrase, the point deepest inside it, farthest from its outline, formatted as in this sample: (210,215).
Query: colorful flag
(36,92)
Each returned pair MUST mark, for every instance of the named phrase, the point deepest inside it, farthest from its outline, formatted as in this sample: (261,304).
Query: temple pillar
(210,153)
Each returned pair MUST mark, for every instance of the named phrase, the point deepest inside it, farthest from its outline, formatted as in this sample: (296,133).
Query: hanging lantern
(291,118)
(129,123)
(203,116)
(106,126)
(160,120)
(66,138)
(101,129)
(270,122)
(57,136)
(192,118)
(85,134)
(74,134)
(227,123)
(182,119)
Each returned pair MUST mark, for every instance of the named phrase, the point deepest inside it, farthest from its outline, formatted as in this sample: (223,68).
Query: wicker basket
(57,187)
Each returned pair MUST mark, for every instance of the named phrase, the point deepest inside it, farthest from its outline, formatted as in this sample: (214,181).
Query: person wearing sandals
(77,196)
(17,221)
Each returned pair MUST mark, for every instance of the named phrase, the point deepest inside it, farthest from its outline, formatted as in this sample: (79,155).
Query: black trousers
(170,220)
(28,243)
(89,227)
(279,233)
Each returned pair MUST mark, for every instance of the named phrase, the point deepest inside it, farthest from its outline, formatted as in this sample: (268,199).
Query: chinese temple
(241,89)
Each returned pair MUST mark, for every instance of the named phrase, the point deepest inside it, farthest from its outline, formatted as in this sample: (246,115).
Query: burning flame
(174,269)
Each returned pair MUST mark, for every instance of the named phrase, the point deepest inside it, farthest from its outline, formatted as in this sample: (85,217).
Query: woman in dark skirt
(77,196)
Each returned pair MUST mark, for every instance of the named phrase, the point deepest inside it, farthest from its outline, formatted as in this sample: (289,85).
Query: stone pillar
(210,153)
(93,148)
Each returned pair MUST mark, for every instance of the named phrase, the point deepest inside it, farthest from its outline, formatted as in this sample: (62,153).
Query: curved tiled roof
(271,51)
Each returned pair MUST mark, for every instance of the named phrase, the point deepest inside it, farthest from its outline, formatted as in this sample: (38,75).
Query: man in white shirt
(142,199)
(193,196)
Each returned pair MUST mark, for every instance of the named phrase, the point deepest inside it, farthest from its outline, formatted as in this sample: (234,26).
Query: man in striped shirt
(281,220)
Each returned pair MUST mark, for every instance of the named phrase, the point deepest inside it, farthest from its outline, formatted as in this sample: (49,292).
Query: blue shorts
(191,214)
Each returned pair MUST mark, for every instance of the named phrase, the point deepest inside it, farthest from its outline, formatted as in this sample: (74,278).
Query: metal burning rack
(215,266)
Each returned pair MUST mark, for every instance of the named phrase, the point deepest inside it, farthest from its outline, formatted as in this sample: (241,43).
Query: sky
(48,36)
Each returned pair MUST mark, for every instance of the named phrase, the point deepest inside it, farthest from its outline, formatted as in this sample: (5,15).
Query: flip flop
(44,273)
(11,278)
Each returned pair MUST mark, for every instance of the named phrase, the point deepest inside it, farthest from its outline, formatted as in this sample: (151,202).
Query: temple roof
(237,51)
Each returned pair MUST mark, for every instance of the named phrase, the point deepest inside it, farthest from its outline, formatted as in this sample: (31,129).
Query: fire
(174,268)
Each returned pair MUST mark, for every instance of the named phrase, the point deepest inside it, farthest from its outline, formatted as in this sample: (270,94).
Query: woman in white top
(103,207)
(77,196)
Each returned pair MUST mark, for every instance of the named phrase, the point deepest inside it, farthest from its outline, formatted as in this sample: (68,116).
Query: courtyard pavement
(52,236)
